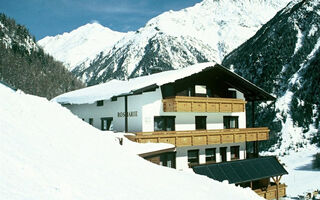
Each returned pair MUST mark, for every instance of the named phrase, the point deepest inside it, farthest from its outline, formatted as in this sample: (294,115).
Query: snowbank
(47,153)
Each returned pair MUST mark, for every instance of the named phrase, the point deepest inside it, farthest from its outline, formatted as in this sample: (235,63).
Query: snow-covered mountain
(25,66)
(81,45)
(284,59)
(205,32)
(48,153)
(14,35)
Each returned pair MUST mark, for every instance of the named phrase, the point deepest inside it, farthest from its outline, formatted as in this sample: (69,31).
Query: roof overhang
(250,90)
(154,153)
(139,85)
(218,72)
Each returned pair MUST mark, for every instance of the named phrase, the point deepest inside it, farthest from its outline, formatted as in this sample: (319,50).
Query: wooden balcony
(271,191)
(202,104)
(202,137)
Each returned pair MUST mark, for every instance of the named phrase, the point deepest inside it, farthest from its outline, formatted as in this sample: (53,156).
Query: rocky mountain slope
(205,32)
(283,58)
(80,45)
(25,66)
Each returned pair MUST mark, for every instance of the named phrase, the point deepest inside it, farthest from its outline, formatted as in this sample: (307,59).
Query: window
(193,157)
(235,150)
(200,90)
(231,122)
(100,103)
(232,94)
(91,121)
(223,154)
(201,122)
(210,155)
(168,160)
(106,123)
(164,123)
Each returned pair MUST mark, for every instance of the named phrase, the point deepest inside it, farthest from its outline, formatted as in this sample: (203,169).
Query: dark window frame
(100,103)
(91,121)
(166,157)
(166,122)
(227,121)
(232,94)
(210,157)
(235,152)
(223,156)
(200,125)
(193,160)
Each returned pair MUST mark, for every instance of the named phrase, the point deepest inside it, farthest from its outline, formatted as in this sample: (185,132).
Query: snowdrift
(48,153)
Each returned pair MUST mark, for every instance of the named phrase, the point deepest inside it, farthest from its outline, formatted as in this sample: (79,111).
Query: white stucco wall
(140,103)
(147,105)
(182,153)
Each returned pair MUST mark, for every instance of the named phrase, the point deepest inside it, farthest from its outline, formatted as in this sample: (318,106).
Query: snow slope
(80,45)
(48,153)
(302,176)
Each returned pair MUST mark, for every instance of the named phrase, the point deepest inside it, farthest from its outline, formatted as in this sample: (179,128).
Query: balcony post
(255,143)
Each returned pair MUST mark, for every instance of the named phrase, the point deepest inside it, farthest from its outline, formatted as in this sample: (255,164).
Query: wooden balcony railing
(202,104)
(202,137)
(271,192)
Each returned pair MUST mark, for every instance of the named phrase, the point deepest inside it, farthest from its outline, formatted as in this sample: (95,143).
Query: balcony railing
(202,137)
(202,104)
(271,192)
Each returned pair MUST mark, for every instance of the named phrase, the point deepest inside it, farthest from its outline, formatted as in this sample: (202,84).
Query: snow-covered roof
(113,88)
(116,88)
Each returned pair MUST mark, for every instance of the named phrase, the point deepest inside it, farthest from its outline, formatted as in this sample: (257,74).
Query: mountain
(25,66)
(80,46)
(283,58)
(48,153)
(205,32)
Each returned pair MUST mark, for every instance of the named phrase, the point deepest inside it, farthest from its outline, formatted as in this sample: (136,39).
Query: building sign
(128,114)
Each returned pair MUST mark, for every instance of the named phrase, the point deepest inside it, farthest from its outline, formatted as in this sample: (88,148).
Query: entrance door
(223,154)
(106,123)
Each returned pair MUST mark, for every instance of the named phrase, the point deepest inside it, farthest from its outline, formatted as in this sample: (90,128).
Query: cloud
(94,22)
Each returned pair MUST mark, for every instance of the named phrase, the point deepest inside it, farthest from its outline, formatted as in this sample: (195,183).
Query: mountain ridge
(214,24)
(80,45)
(283,59)
(25,66)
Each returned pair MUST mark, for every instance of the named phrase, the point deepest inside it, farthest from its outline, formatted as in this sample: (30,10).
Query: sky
(52,17)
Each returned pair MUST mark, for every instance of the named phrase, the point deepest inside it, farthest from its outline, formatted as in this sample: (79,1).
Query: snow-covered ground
(48,153)
(302,178)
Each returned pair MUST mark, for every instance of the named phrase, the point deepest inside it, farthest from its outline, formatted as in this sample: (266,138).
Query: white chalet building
(199,109)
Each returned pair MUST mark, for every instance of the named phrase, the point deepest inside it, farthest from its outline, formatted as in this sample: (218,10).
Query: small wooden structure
(270,192)
(202,137)
(164,157)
